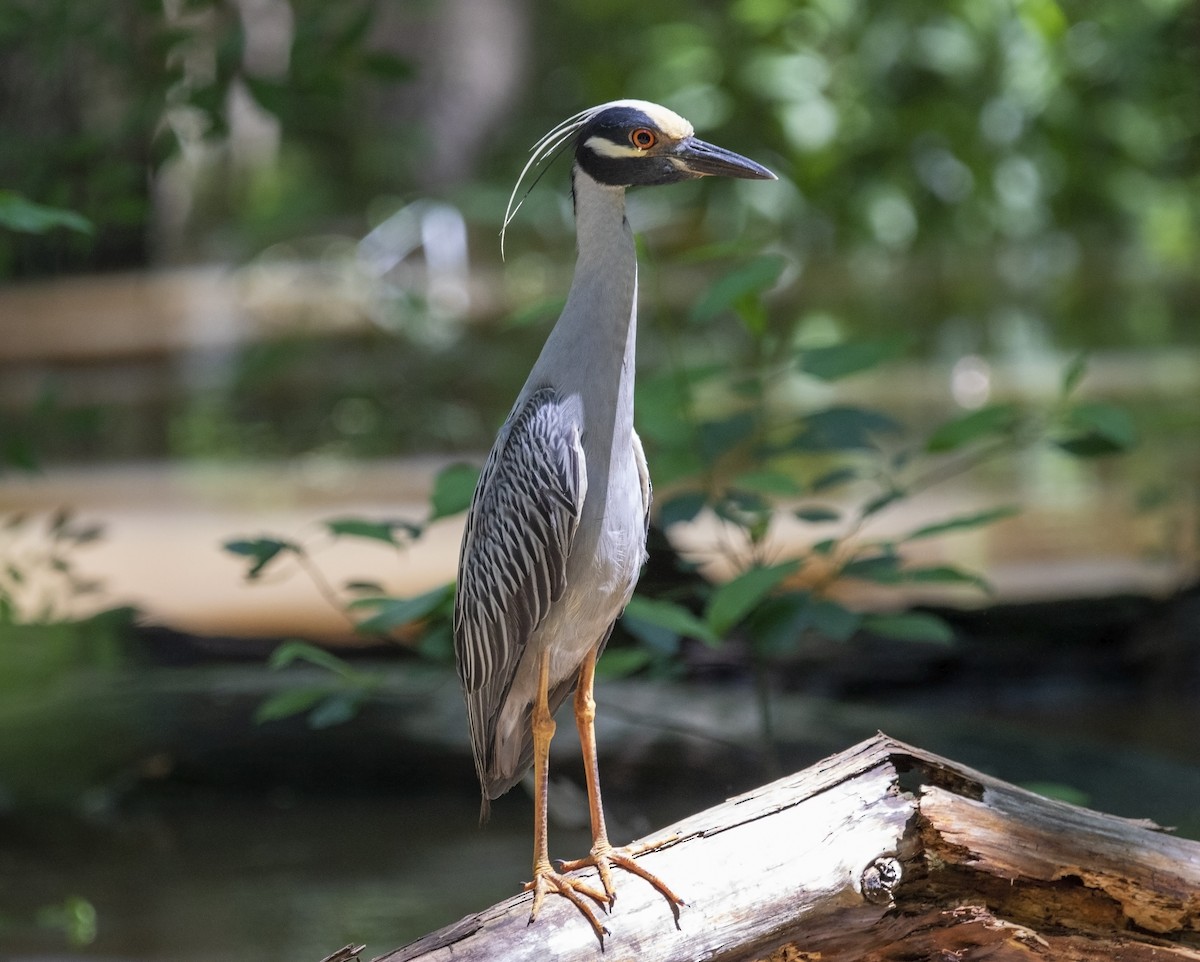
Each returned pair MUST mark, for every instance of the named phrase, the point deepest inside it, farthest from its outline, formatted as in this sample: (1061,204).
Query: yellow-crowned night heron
(556,533)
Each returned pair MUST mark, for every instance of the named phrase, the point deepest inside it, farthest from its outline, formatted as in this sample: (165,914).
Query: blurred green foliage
(760,455)
(1002,180)
(75,918)
(111,90)
(71,717)
(39,579)
(974,162)
(93,82)
(957,161)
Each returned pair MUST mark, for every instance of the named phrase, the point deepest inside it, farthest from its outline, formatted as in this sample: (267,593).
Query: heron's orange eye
(643,138)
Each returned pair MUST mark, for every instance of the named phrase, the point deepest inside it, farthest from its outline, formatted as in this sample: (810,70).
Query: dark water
(207,875)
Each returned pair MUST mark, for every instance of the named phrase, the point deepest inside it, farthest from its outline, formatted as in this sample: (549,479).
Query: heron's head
(629,143)
(626,143)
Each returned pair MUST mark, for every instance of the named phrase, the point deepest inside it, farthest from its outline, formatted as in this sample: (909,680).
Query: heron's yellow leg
(603,856)
(545,879)
(542,723)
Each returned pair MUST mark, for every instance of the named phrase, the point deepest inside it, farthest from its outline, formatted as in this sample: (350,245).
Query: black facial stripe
(615,124)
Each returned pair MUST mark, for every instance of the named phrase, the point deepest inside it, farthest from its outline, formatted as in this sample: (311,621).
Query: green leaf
(945,574)
(682,507)
(879,502)
(831,620)
(437,642)
(337,709)
(777,624)
(294,701)
(671,616)
(995,420)
(843,428)
(622,662)
(816,514)
(18,213)
(274,97)
(883,569)
(962,522)
(1096,429)
(718,437)
(652,638)
(663,404)
(841,360)
(768,482)
(781,623)
(353,31)
(834,479)
(453,490)
(735,599)
(1073,374)
(742,507)
(746,281)
(677,463)
(392,613)
(370,587)
(260,552)
(292,651)
(910,626)
(384,531)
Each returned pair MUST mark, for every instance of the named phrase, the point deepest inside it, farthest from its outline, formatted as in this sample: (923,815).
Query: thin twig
(323,586)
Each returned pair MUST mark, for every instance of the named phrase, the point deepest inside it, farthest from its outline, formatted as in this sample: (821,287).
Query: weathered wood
(883,852)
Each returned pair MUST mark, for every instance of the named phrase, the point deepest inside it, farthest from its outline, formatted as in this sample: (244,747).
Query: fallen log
(882,853)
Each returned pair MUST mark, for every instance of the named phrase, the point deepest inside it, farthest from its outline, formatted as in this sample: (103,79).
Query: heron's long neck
(595,336)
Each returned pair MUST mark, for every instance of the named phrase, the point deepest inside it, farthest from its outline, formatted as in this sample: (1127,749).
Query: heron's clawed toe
(573,890)
(605,857)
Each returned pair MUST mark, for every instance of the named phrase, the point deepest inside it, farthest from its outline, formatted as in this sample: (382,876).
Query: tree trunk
(883,852)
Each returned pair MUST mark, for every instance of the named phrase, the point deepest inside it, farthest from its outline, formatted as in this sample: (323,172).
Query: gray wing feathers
(519,532)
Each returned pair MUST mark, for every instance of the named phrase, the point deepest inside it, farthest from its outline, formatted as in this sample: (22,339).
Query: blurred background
(923,419)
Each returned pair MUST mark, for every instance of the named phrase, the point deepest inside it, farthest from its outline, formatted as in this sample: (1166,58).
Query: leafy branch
(366,607)
(39,579)
(762,460)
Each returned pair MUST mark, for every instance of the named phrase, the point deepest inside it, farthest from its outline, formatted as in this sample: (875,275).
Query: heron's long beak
(700,158)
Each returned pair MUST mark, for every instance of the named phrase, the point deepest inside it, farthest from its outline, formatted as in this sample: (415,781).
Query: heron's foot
(574,890)
(604,858)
